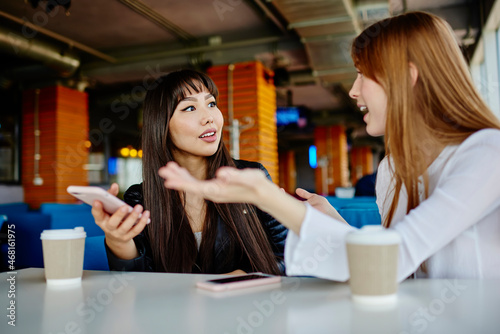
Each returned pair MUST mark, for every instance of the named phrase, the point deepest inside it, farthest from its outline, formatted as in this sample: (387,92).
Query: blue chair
(95,257)
(70,219)
(59,207)
(28,246)
(338,203)
(13,208)
(359,215)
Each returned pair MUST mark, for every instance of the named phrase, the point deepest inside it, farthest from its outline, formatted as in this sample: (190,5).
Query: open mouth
(363,109)
(208,134)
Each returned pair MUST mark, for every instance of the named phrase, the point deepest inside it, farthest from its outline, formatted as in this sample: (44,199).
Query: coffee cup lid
(373,235)
(61,234)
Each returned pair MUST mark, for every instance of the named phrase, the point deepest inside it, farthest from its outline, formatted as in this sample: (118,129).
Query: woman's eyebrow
(189,98)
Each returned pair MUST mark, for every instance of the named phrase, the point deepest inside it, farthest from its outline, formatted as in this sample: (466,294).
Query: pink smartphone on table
(238,282)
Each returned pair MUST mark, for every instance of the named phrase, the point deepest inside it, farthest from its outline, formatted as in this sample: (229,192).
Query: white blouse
(456,230)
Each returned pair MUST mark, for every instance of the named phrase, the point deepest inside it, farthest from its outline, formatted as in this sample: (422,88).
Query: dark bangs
(186,82)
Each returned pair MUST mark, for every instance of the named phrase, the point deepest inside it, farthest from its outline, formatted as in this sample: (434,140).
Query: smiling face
(196,126)
(372,99)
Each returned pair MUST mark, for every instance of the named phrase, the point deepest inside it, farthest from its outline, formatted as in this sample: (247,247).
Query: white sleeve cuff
(320,249)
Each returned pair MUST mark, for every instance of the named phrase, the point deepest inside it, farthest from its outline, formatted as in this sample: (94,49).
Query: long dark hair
(172,241)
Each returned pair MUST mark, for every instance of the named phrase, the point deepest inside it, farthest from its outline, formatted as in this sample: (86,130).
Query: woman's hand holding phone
(120,227)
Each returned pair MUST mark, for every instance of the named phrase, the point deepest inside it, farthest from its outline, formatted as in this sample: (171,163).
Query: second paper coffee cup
(63,255)
(372,255)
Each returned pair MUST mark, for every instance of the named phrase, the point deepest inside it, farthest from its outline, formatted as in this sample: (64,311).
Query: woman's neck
(197,166)
(431,147)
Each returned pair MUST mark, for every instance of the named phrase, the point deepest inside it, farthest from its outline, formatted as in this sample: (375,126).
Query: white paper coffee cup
(63,255)
(372,254)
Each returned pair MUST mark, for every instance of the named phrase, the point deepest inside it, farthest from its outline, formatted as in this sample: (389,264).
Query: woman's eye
(212,104)
(190,108)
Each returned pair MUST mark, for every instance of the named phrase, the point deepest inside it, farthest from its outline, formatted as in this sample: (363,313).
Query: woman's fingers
(178,178)
(230,185)
(98,213)
(141,224)
(303,193)
(117,217)
(114,189)
(131,221)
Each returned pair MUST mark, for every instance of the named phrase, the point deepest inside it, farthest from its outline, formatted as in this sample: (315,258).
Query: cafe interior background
(73,75)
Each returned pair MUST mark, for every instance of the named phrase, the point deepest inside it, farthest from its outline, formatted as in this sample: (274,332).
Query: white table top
(130,302)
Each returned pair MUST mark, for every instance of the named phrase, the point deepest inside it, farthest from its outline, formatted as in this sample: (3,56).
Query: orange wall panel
(361,163)
(333,165)
(63,125)
(254,96)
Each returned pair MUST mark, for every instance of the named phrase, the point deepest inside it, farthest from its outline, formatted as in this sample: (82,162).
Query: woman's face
(196,126)
(371,98)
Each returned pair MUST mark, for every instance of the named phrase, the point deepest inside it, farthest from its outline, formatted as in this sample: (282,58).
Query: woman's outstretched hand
(230,185)
(320,203)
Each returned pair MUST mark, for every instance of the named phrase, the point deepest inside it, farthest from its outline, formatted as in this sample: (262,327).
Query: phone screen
(236,279)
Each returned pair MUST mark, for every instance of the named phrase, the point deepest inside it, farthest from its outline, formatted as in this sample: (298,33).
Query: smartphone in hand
(238,282)
(90,194)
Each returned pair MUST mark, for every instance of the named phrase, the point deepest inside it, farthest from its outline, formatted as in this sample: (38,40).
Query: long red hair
(442,107)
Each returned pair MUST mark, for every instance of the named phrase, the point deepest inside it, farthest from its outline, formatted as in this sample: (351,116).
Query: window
(10,123)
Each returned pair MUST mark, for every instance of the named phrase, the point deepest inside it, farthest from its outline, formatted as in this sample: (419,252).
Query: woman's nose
(354,92)
(208,119)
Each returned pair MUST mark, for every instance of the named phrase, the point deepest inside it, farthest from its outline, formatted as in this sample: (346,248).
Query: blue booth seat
(338,202)
(29,225)
(60,207)
(13,208)
(69,219)
(95,257)
(27,228)
(359,215)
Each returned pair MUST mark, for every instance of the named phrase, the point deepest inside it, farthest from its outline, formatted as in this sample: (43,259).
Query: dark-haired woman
(187,233)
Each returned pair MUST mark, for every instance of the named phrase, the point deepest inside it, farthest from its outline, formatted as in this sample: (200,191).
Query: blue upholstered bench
(10,208)
(69,216)
(357,211)
(28,225)
(27,228)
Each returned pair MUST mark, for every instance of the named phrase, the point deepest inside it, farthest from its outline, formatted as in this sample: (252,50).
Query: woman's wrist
(286,209)
(123,250)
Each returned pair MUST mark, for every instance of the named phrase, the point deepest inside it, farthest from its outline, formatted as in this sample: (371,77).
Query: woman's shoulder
(240,164)
(480,150)
(484,137)
(134,195)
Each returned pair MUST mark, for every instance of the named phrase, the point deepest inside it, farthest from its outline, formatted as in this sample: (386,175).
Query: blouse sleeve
(466,192)
(276,232)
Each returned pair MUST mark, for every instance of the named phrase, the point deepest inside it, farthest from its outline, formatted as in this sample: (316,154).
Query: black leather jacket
(276,234)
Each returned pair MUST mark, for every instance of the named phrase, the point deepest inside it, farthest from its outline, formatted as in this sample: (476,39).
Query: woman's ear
(413,74)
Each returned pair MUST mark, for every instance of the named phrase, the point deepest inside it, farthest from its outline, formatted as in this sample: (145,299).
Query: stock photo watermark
(39,19)
(121,106)
(424,316)
(11,275)
(225,6)
(86,311)
(264,309)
